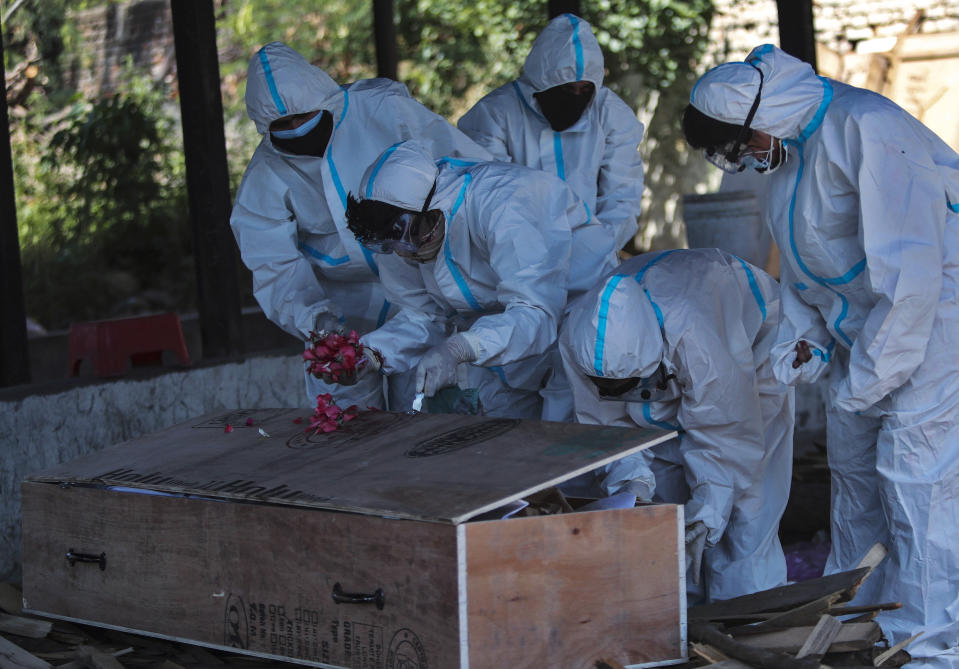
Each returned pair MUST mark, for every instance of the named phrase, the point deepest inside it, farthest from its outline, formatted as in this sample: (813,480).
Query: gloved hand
(437,369)
(371,361)
(695,545)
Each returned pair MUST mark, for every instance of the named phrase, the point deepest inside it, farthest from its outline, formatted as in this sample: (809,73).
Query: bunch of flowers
(327,416)
(332,356)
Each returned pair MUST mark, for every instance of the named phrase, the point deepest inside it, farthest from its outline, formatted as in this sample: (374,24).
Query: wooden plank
(852,636)
(784,597)
(807,614)
(560,591)
(886,655)
(853,610)
(255,577)
(873,557)
(28,627)
(13,656)
(709,633)
(424,466)
(821,638)
(709,653)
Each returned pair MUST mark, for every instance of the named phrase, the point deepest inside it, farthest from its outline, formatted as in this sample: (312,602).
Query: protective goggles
(405,232)
(729,158)
(638,389)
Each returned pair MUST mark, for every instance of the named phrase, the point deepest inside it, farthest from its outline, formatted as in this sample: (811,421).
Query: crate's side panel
(568,590)
(256,577)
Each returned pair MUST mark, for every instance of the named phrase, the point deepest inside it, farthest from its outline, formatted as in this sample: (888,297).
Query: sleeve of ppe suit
(419,324)
(619,191)
(723,443)
(799,322)
(283,280)
(524,226)
(902,212)
(486,127)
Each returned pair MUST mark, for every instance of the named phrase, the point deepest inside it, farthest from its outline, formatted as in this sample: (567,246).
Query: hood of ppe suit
(613,331)
(281,82)
(564,52)
(403,176)
(790,97)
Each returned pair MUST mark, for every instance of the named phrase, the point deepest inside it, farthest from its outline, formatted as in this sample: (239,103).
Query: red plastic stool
(110,344)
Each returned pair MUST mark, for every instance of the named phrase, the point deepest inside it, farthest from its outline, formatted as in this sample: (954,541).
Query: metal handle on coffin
(341,597)
(100,559)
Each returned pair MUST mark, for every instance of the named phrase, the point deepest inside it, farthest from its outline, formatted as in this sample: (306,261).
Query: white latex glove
(437,369)
(695,545)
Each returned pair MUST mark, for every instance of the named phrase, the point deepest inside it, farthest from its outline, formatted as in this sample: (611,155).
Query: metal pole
(208,183)
(557,7)
(384,33)
(797,35)
(14,353)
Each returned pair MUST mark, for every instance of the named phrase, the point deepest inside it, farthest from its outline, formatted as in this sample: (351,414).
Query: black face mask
(562,107)
(312,143)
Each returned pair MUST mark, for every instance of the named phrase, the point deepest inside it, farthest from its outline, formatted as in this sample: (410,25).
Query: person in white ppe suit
(309,274)
(680,340)
(558,117)
(864,204)
(489,243)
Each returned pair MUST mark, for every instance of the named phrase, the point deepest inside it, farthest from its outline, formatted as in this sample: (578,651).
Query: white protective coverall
(597,156)
(710,319)
(288,218)
(499,278)
(866,213)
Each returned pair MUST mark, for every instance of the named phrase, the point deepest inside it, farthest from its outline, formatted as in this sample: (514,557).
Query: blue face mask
(309,139)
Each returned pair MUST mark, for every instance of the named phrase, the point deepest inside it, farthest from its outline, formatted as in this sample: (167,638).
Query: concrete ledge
(38,431)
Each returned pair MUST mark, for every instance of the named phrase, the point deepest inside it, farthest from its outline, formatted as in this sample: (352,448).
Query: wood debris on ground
(28,642)
(805,625)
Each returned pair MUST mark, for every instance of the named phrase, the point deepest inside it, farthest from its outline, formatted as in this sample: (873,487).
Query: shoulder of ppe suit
(378,85)
(513,187)
(615,116)
(495,106)
(263,180)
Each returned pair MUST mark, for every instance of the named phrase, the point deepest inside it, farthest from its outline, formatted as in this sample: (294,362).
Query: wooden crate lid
(438,467)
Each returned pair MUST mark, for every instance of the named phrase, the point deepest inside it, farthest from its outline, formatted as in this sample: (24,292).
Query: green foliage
(106,202)
(100,183)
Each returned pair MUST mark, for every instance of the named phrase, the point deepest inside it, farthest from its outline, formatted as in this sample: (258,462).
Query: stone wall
(140,33)
(840,25)
(40,431)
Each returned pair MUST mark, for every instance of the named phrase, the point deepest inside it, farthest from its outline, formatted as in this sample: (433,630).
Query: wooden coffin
(366,547)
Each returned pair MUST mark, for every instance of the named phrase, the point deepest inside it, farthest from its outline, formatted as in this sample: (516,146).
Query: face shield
(406,233)
(410,234)
(729,158)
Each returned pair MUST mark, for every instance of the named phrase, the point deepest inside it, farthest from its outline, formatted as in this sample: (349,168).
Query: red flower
(228,428)
(334,356)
